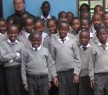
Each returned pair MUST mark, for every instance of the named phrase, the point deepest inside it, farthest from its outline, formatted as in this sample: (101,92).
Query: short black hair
(39,20)
(99,28)
(86,5)
(2,19)
(9,27)
(97,15)
(45,2)
(59,14)
(98,6)
(85,31)
(52,19)
(34,34)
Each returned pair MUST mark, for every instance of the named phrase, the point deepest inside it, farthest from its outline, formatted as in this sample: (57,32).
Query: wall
(33,6)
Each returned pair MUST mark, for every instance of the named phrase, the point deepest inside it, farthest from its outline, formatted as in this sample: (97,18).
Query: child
(66,59)
(52,27)
(39,26)
(62,15)
(36,67)
(69,16)
(98,10)
(97,21)
(3,36)
(105,19)
(98,68)
(3,29)
(85,15)
(28,28)
(10,54)
(84,50)
(75,26)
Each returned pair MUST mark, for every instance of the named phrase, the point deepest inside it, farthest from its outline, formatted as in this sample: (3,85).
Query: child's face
(69,17)
(85,15)
(97,20)
(105,20)
(63,30)
(99,10)
(52,27)
(36,41)
(102,36)
(84,9)
(76,24)
(3,27)
(39,27)
(13,33)
(84,38)
(63,15)
(85,25)
(29,25)
(10,22)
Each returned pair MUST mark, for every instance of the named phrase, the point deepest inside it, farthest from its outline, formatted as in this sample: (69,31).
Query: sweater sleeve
(77,60)
(23,67)
(91,64)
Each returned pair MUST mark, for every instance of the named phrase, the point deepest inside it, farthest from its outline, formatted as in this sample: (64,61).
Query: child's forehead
(97,16)
(76,20)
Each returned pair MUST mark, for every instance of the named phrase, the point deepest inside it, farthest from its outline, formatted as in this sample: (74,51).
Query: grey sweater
(8,52)
(85,60)
(65,55)
(99,61)
(36,63)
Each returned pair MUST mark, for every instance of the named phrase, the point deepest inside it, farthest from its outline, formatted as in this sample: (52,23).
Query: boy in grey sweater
(66,59)
(98,68)
(36,66)
(85,49)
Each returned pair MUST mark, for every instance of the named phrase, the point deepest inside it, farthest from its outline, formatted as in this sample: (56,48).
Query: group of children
(71,58)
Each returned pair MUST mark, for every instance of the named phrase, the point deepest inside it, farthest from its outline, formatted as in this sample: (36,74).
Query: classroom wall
(33,6)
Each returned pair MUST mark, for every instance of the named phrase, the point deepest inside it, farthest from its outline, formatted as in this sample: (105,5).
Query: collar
(88,45)
(65,39)
(101,45)
(13,43)
(37,48)
(48,17)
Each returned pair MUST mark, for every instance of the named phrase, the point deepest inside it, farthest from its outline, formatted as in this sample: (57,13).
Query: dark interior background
(1,12)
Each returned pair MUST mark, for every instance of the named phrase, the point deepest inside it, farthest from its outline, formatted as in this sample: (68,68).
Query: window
(93,3)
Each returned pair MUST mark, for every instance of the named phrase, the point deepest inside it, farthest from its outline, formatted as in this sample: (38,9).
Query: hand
(26,87)
(75,79)
(55,81)
(92,84)
(49,85)
(17,55)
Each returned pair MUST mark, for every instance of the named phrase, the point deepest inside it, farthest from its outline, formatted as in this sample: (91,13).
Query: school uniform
(66,59)
(98,69)
(45,22)
(10,54)
(23,37)
(84,83)
(35,70)
(3,89)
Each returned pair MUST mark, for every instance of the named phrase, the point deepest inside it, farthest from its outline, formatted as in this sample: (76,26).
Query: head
(24,15)
(97,19)
(29,24)
(39,25)
(35,39)
(10,21)
(45,8)
(85,15)
(84,37)
(69,16)
(3,25)
(19,23)
(62,14)
(105,19)
(75,24)
(52,26)
(12,32)
(84,8)
(63,28)
(85,24)
(19,5)
(102,34)
(99,9)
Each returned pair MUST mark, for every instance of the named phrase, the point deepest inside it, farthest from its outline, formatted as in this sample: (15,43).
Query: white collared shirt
(13,43)
(37,48)
(48,17)
(88,45)
(102,44)
(65,39)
